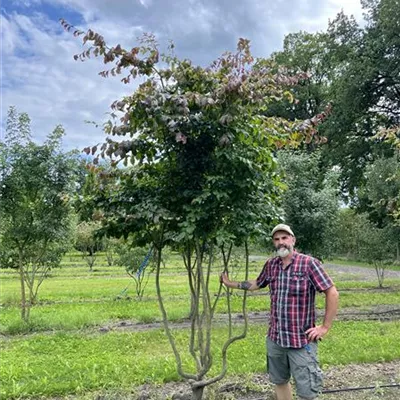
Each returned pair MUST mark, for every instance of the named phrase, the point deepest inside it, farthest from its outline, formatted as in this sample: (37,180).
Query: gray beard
(282,252)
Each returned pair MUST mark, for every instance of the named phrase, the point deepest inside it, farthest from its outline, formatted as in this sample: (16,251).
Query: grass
(78,314)
(62,352)
(66,363)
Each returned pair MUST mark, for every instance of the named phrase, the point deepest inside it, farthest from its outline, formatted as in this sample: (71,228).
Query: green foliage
(365,94)
(311,202)
(88,241)
(138,263)
(350,225)
(354,69)
(200,142)
(88,181)
(376,248)
(360,239)
(381,192)
(35,187)
(202,173)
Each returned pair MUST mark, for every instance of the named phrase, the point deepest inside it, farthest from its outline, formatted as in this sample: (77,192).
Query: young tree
(88,242)
(204,174)
(110,246)
(35,188)
(376,248)
(138,263)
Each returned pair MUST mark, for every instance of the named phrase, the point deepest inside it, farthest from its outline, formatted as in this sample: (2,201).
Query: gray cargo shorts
(302,364)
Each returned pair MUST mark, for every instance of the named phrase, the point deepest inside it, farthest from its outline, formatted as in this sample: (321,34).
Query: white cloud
(44,81)
(41,77)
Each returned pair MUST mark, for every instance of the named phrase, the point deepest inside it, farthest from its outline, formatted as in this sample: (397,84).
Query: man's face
(283,243)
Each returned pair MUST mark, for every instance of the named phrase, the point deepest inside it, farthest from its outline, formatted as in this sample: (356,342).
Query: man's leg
(306,372)
(278,370)
(283,392)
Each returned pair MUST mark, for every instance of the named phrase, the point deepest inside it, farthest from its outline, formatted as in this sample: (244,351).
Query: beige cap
(282,227)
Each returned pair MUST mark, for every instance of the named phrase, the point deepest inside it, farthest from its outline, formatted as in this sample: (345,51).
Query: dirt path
(350,272)
(375,313)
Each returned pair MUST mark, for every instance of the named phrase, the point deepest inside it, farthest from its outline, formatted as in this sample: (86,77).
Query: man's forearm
(244,285)
(331,306)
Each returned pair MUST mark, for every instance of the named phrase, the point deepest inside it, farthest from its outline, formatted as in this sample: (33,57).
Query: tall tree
(366,94)
(35,185)
(203,173)
(311,202)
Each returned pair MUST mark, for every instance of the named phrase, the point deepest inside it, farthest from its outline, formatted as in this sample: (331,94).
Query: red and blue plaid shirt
(293,297)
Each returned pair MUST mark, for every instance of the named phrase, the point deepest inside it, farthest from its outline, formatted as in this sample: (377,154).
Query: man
(293,280)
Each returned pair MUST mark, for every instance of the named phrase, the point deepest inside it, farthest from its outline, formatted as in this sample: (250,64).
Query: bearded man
(292,341)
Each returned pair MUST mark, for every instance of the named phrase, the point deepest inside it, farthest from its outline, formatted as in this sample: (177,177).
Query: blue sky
(40,77)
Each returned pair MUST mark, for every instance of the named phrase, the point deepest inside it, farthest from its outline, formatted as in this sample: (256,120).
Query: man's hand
(316,333)
(224,278)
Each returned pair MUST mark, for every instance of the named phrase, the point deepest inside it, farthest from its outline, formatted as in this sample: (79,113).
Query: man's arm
(245,285)
(331,307)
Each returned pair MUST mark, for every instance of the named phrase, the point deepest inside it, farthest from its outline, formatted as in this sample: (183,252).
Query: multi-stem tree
(203,172)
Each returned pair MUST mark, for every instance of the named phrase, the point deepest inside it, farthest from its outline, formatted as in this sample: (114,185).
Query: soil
(343,381)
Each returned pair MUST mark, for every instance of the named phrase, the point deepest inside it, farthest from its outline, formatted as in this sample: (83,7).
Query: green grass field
(64,351)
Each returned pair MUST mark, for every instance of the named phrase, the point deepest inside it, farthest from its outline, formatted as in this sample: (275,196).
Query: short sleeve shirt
(293,297)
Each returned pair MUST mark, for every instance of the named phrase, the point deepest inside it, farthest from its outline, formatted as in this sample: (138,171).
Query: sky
(40,77)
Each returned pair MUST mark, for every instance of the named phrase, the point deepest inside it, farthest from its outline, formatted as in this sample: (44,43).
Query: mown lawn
(62,350)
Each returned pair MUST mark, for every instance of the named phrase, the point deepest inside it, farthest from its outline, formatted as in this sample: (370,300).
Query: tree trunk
(197,392)
(24,313)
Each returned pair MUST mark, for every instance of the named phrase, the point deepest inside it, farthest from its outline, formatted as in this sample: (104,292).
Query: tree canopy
(35,191)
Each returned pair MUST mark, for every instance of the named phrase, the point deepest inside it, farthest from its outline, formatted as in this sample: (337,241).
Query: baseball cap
(282,227)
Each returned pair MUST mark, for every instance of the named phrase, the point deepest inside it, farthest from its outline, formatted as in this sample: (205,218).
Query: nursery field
(90,337)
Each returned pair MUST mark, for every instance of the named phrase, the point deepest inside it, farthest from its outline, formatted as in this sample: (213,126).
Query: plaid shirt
(293,297)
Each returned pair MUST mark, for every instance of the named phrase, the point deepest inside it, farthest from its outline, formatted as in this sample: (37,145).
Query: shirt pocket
(298,286)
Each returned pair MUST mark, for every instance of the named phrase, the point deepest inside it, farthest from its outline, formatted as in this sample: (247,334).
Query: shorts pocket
(316,378)
(309,381)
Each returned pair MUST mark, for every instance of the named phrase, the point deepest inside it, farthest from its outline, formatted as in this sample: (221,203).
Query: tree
(355,70)
(88,241)
(203,173)
(350,225)
(311,202)
(110,245)
(138,263)
(365,96)
(381,192)
(35,189)
(360,239)
(376,249)
(392,135)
